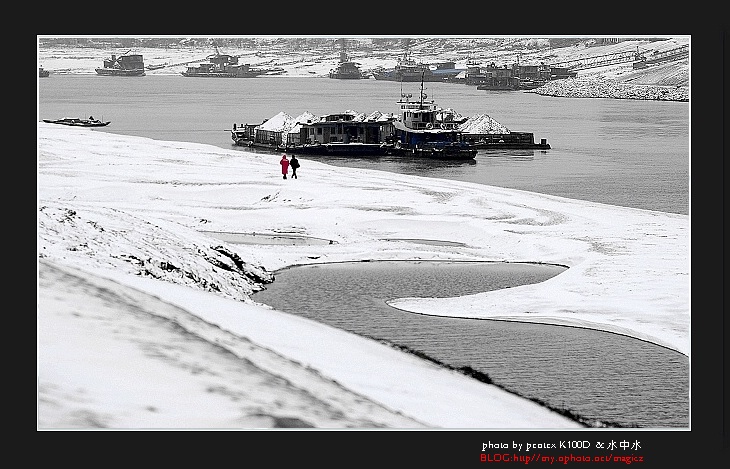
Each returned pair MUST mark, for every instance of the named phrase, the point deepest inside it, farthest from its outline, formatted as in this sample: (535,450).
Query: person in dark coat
(284,165)
(294,163)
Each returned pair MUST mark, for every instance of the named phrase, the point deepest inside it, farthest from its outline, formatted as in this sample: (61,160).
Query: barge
(125,65)
(346,69)
(222,66)
(421,129)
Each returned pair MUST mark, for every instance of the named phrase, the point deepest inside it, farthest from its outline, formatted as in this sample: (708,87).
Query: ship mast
(423,95)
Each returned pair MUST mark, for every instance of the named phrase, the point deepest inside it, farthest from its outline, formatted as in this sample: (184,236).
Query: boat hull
(509,141)
(407,78)
(497,88)
(358,150)
(367,150)
(346,76)
(222,74)
(115,72)
(77,122)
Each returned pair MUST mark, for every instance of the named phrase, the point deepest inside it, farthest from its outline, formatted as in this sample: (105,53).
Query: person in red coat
(284,165)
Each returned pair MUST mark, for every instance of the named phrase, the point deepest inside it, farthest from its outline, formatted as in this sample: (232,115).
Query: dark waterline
(600,376)
(629,153)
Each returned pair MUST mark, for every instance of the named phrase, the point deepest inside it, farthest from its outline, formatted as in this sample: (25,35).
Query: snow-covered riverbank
(145,321)
(669,82)
(601,88)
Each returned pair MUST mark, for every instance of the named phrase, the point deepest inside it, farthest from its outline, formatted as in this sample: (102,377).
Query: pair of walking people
(285,163)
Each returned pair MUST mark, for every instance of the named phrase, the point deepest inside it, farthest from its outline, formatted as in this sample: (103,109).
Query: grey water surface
(603,377)
(630,153)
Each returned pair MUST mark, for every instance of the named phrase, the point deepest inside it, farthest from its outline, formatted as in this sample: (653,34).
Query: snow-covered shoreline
(133,211)
(598,88)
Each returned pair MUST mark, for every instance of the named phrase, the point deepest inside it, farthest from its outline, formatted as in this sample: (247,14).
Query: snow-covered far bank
(669,81)
(122,225)
(596,88)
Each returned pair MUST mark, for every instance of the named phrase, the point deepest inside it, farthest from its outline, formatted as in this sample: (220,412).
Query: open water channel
(602,377)
(618,152)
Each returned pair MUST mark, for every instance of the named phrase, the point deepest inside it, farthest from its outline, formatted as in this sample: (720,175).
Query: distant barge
(131,65)
(224,66)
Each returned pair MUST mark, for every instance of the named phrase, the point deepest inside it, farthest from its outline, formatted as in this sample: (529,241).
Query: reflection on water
(605,377)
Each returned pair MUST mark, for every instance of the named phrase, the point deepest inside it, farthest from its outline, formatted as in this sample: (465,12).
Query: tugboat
(222,66)
(42,73)
(425,130)
(131,65)
(346,69)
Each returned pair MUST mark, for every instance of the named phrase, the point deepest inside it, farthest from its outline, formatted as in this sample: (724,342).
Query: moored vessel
(425,130)
(346,69)
(408,70)
(77,122)
(125,65)
(222,66)
(420,129)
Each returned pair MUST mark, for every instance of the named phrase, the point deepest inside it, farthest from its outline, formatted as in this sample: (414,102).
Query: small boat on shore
(76,122)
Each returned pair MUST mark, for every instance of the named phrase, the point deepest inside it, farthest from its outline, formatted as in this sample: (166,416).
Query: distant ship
(123,66)
(42,72)
(346,69)
(223,66)
(407,70)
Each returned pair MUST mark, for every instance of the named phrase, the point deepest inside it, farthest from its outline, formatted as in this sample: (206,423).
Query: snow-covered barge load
(484,133)
(422,130)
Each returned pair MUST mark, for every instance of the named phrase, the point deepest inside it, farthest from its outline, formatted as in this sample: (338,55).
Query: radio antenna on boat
(423,96)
